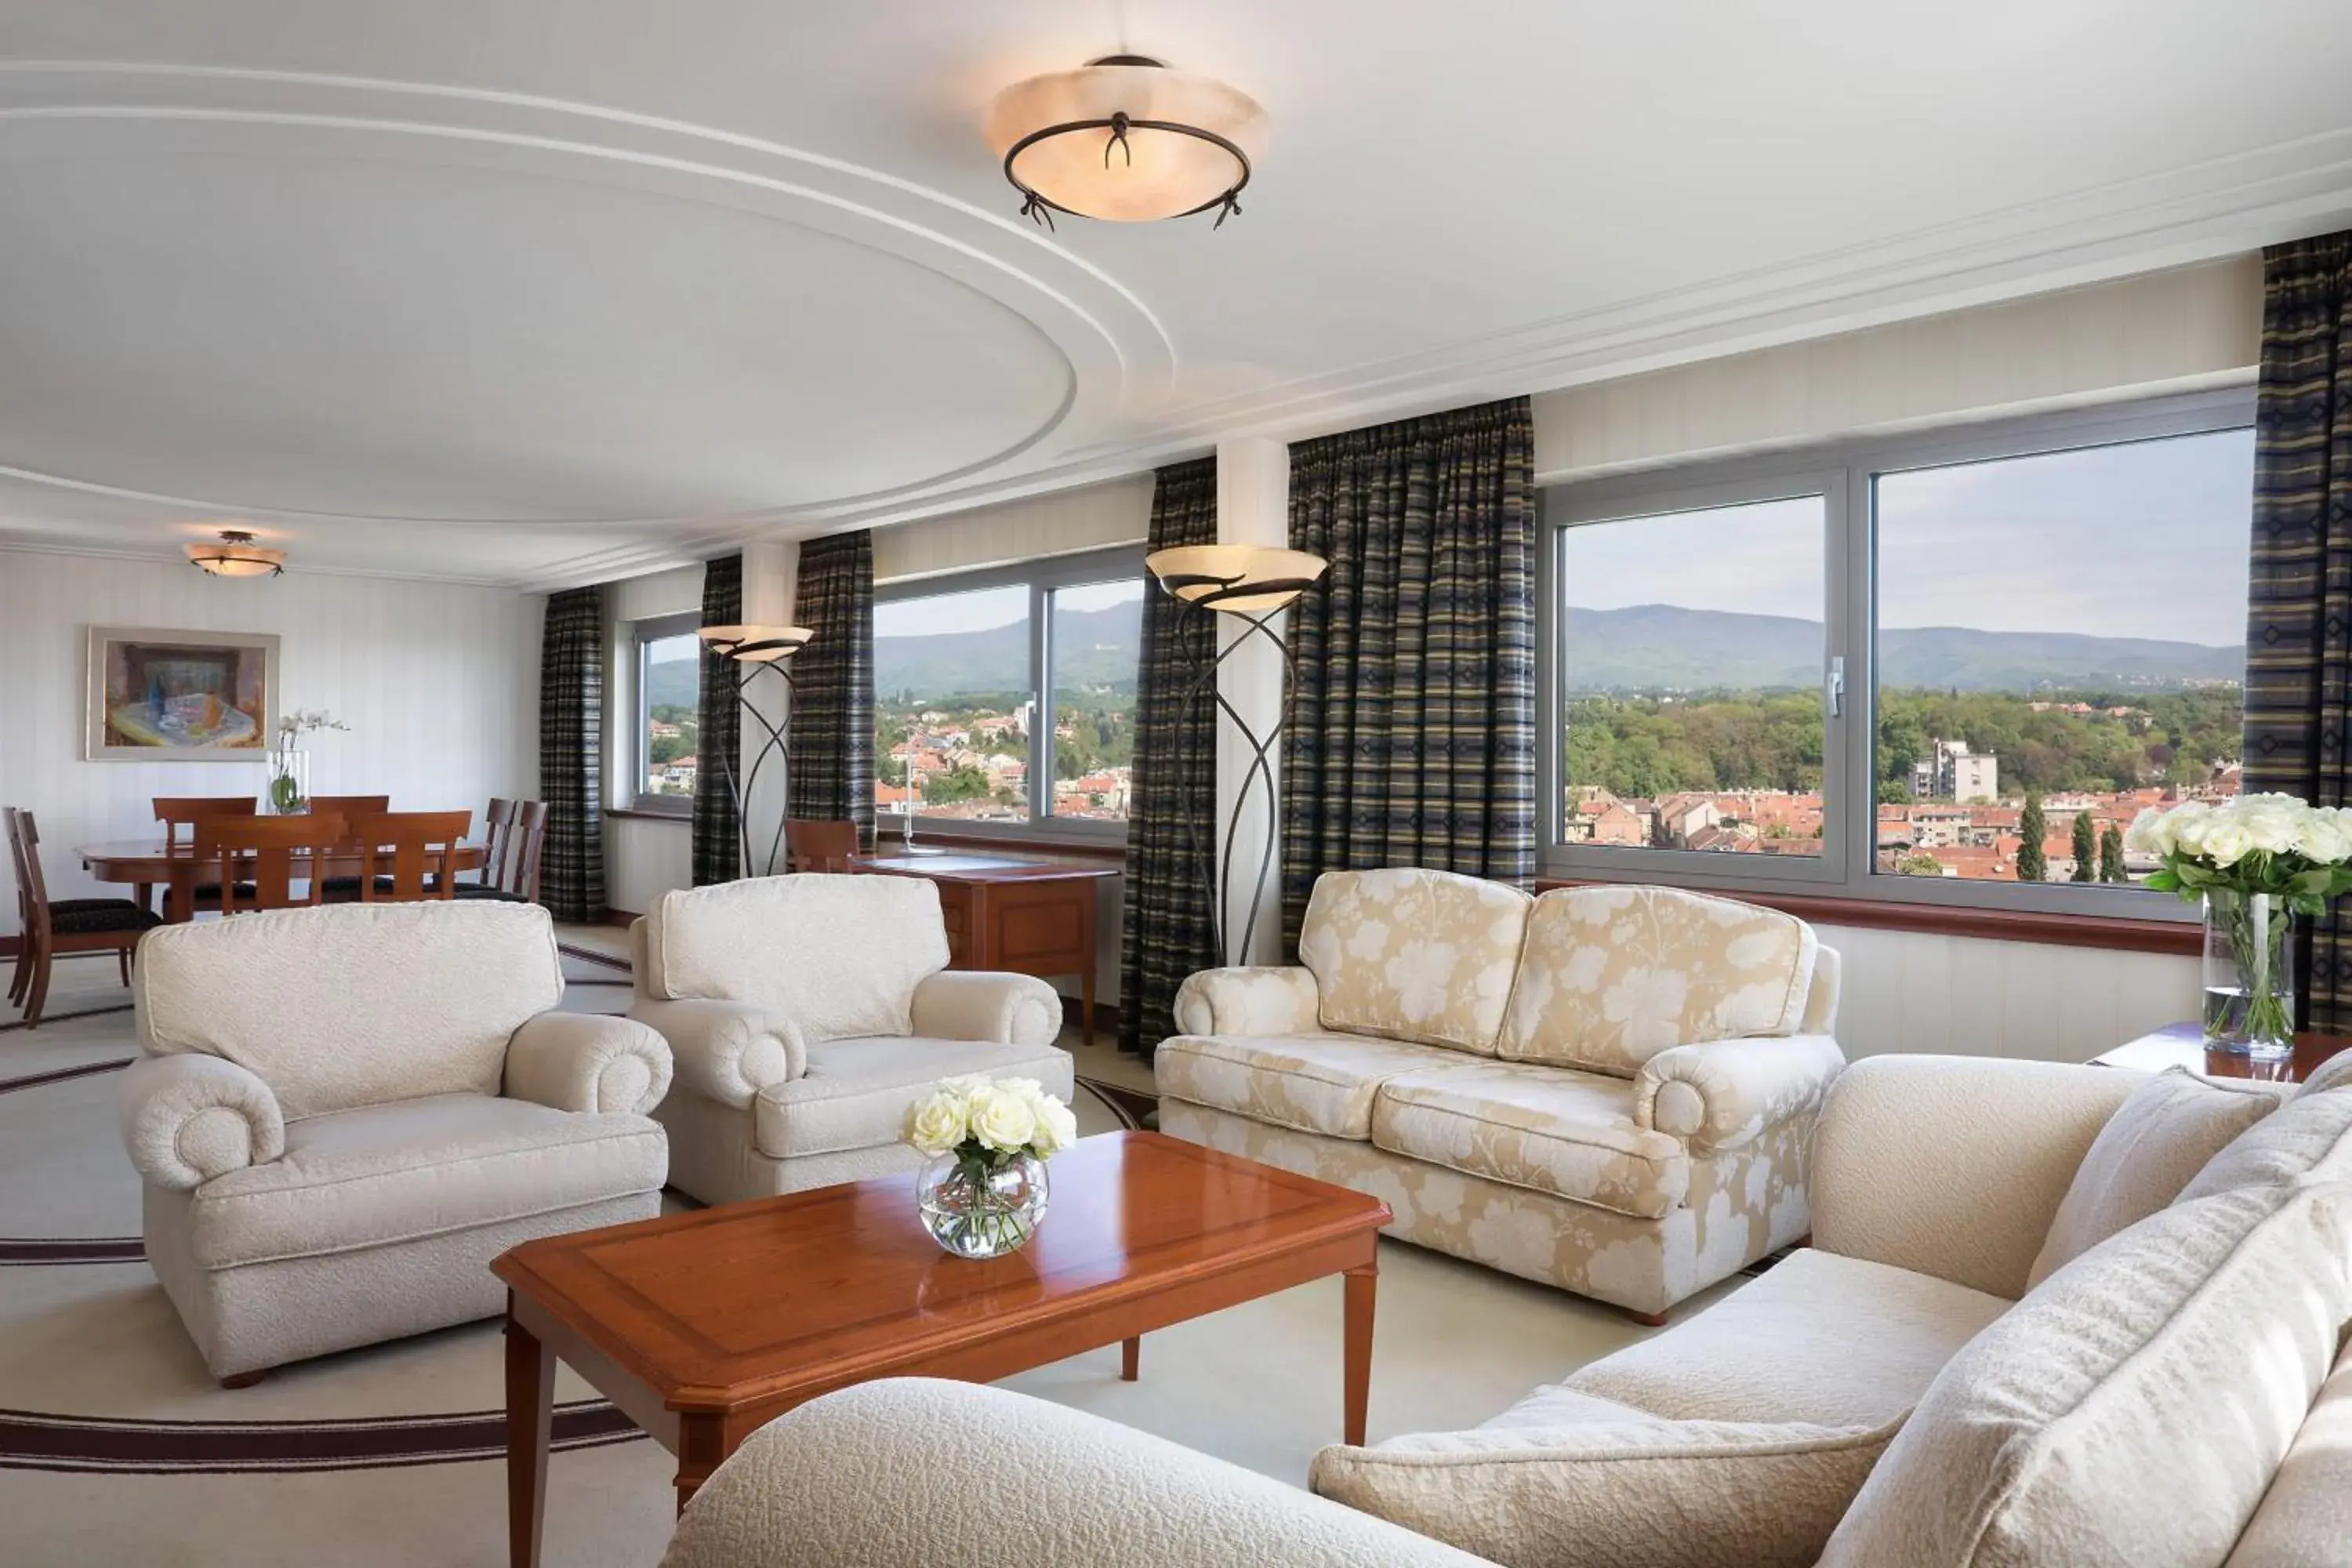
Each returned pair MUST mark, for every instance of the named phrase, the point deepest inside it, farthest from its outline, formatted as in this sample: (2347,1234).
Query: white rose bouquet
(2241,856)
(984,1193)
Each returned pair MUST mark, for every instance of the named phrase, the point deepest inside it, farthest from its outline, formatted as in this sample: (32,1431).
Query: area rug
(115,1447)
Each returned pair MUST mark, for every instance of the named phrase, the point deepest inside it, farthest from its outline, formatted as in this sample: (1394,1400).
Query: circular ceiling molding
(295,298)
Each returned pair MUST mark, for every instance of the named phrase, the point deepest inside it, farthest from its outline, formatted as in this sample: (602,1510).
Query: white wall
(438,682)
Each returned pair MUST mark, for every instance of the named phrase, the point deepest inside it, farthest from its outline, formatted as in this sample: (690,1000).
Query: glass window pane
(952,706)
(1098,636)
(2060,636)
(672,672)
(1691,664)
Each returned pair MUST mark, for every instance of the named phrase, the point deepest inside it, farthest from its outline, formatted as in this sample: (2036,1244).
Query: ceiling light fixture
(236,555)
(1127,140)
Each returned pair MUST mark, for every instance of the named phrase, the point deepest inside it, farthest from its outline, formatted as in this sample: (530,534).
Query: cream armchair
(1608,1088)
(806,1013)
(344,1113)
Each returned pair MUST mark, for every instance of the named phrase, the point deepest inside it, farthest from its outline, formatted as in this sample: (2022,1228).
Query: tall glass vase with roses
(2256,861)
(985,1188)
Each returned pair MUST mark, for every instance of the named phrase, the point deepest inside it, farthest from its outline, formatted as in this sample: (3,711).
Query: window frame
(1042,577)
(1847,471)
(642,634)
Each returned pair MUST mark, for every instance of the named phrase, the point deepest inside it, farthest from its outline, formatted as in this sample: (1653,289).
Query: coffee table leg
(1130,1359)
(1358,1374)
(530,1416)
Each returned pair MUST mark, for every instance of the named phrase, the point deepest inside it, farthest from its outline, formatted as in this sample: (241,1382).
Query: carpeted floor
(116,1448)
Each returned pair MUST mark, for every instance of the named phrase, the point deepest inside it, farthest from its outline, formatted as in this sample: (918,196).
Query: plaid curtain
(1165,932)
(2298,736)
(572,754)
(718,732)
(831,731)
(1412,738)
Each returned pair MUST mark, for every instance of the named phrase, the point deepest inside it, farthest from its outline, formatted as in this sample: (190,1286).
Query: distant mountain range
(1093,647)
(675,681)
(1663,647)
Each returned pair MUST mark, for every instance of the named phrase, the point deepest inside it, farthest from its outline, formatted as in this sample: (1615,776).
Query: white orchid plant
(2256,846)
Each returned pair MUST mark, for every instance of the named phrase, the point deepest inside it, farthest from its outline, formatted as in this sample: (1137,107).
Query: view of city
(2003,749)
(956,717)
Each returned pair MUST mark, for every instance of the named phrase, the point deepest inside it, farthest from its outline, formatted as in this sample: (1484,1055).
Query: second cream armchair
(806,1013)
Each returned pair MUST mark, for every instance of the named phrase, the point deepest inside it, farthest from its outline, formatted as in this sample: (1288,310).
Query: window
(1008,698)
(1948,668)
(670,713)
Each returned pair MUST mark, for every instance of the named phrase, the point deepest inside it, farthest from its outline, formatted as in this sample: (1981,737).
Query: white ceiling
(542,292)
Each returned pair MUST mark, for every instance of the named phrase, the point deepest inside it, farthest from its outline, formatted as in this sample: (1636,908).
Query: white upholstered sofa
(2018,1340)
(1608,1088)
(344,1113)
(806,1013)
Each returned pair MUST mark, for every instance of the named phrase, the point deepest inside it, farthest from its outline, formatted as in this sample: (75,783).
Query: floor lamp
(748,650)
(1254,584)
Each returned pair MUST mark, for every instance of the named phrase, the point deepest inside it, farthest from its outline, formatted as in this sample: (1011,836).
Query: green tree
(1921,864)
(2111,856)
(2085,848)
(2032,865)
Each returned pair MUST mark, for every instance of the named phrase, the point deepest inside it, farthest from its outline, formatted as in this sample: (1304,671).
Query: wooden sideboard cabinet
(1028,917)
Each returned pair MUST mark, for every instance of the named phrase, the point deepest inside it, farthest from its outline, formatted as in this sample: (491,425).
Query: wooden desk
(2183,1045)
(145,863)
(1030,917)
(702,1327)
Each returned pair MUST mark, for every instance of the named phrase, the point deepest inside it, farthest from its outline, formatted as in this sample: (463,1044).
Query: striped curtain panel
(831,731)
(2298,735)
(1412,735)
(572,754)
(1165,932)
(718,732)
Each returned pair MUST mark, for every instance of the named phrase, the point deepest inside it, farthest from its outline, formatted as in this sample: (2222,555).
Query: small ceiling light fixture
(1127,140)
(236,555)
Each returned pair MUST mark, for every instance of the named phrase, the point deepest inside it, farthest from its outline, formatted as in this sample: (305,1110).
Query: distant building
(1952,772)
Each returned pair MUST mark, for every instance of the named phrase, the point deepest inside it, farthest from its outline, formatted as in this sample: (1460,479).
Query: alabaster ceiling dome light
(236,555)
(1127,140)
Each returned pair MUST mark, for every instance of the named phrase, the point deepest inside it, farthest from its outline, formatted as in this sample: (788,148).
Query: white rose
(2272,830)
(1002,1119)
(1057,1129)
(2225,841)
(936,1123)
(2324,839)
(2150,833)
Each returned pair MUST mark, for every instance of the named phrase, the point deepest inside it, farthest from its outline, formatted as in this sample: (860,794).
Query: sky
(2144,538)
(977,609)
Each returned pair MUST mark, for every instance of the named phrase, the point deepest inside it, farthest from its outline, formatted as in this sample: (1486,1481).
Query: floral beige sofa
(1608,1088)
(2045,1324)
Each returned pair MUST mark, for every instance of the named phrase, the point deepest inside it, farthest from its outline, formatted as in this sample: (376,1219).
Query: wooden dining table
(146,863)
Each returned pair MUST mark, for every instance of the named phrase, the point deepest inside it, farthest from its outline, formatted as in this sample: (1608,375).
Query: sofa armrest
(968,1005)
(587,1062)
(1724,1093)
(187,1118)
(1954,1166)
(1254,999)
(914,1470)
(726,1051)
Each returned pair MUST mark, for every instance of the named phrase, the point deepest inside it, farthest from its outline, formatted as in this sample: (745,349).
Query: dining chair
(408,856)
(517,863)
(54,928)
(176,812)
(816,844)
(271,854)
(498,825)
(350,808)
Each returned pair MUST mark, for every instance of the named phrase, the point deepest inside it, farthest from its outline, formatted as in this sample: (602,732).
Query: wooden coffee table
(703,1326)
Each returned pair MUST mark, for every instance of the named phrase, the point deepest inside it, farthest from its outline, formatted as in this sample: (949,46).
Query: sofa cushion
(1836,1341)
(856,1093)
(352,1004)
(2133,1409)
(2150,1148)
(1567,1133)
(2311,1135)
(838,956)
(416,1168)
(1415,955)
(2300,1521)
(1315,1083)
(1612,975)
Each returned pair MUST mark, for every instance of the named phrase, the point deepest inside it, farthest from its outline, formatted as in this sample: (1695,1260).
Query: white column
(1253,507)
(770,574)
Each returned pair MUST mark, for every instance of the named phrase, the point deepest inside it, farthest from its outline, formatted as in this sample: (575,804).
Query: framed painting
(179,697)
